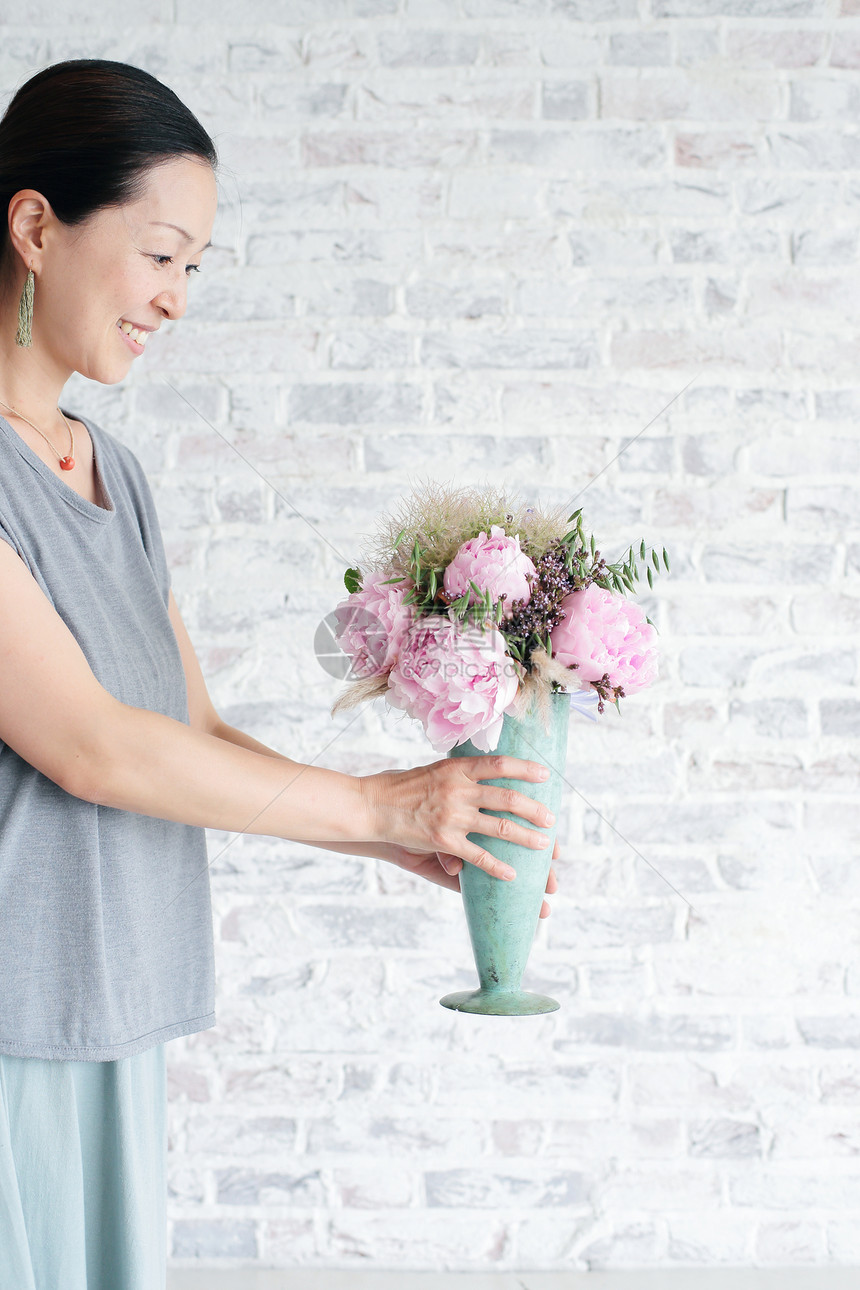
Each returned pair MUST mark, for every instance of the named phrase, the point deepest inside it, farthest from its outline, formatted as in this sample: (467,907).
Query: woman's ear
(30,214)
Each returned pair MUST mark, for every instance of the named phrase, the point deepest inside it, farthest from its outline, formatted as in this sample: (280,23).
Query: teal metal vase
(503,916)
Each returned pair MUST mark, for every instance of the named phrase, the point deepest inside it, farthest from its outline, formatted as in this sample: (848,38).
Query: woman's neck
(30,380)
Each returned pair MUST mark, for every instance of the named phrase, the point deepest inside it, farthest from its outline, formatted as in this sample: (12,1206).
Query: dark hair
(84,133)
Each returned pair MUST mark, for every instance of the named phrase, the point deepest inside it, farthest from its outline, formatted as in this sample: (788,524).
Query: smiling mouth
(132,333)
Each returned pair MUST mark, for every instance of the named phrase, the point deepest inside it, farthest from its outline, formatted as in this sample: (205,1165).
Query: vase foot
(500,1003)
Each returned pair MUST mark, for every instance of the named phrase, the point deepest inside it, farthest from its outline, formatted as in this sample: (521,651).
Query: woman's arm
(56,715)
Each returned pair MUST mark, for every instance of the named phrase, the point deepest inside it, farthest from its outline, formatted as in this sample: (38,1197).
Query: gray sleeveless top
(105,920)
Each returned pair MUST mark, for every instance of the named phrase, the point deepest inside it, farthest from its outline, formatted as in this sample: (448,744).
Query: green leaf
(655,560)
(352,580)
(642,549)
(665,559)
(398,539)
(388,581)
(593,545)
(650,579)
(432,584)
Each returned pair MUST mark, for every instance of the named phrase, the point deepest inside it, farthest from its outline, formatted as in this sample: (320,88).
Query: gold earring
(24,334)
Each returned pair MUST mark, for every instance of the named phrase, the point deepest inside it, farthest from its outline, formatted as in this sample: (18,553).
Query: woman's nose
(173,300)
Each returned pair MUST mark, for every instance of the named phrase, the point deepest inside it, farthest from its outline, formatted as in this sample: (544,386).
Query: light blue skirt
(83,1185)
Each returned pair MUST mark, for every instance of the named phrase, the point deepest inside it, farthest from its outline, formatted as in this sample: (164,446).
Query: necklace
(67,462)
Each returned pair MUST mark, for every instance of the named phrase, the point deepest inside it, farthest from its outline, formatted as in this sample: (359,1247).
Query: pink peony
(493,563)
(604,633)
(457,681)
(373,622)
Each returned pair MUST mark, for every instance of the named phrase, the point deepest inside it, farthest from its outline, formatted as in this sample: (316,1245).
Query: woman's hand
(431,810)
(441,868)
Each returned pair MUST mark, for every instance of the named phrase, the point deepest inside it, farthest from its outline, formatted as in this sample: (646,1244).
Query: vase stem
(502,917)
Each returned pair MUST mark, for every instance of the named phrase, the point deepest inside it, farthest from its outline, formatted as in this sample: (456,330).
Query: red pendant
(67,463)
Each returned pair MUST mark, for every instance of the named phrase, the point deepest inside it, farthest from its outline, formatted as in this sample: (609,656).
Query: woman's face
(124,265)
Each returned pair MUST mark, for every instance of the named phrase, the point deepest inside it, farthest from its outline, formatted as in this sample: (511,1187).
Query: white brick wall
(492,240)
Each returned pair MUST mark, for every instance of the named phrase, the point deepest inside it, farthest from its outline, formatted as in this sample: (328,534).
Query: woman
(112,756)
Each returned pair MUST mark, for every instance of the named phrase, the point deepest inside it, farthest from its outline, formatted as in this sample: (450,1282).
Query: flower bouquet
(487,620)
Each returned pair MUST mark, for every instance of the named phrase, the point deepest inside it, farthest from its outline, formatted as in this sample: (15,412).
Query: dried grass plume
(443,516)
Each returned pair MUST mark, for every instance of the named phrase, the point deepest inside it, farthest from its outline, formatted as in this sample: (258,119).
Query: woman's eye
(168,259)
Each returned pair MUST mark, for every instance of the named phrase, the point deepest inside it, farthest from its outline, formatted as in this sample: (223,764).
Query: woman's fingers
(453,864)
(508,799)
(551,886)
(497,868)
(440,808)
(494,798)
(499,827)
(487,861)
(500,766)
